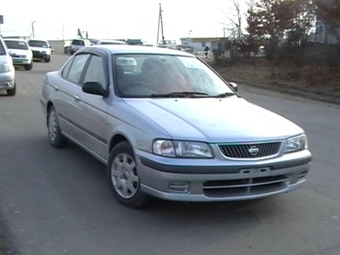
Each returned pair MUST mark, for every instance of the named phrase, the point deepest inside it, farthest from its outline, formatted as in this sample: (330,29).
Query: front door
(92,115)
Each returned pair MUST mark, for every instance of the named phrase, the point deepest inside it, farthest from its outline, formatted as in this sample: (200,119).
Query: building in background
(199,43)
(325,33)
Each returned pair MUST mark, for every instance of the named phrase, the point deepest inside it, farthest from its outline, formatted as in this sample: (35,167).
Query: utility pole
(160,23)
(63,33)
(33,29)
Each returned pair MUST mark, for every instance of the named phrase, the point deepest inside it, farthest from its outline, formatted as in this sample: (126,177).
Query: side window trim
(64,76)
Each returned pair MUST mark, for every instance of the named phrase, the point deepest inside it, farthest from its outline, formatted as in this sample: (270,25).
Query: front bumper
(7,80)
(40,55)
(21,61)
(203,182)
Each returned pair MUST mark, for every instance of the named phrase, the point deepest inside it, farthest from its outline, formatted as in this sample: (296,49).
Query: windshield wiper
(181,94)
(226,94)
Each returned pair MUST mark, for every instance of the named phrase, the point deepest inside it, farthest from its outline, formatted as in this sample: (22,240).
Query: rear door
(65,99)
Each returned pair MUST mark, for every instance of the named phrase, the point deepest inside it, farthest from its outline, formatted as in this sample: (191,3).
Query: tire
(55,136)
(123,178)
(29,67)
(13,91)
(48,59)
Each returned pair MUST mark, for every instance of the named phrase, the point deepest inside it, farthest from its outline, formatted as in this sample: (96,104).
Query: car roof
(14,39)
(131,49)
(34,39)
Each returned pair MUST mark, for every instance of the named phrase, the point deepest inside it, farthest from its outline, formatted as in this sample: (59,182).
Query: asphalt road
(58,201)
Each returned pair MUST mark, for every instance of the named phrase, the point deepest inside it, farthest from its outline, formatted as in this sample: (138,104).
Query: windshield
(165,75)
(40,44)
(18,45)
(78,42)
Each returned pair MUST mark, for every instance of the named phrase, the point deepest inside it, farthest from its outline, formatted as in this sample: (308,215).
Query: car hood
(231,119)
(18,52)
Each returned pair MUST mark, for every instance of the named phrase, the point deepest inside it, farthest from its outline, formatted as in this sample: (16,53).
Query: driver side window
(95,71)
(77,68)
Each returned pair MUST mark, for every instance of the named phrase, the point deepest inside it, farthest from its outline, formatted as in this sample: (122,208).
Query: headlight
(4,68)
(182,149)
(296,143)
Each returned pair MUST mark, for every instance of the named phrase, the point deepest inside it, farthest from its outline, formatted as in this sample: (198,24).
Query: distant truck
(171,44)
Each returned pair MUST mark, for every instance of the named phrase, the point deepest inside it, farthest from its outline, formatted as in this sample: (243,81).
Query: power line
(172,30)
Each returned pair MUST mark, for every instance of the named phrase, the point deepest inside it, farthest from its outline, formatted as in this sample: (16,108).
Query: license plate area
(255,171)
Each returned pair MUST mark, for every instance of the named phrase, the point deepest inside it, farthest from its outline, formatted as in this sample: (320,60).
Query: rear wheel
(55,136)
(124,179)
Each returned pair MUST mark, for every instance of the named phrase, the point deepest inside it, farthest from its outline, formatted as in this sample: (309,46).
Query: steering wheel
(133,87)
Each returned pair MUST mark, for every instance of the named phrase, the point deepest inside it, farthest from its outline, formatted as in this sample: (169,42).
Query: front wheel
(12,92)
(29,67)
(55,136)
(123,177)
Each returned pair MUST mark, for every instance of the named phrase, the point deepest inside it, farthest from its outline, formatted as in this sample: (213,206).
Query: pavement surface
(58,201)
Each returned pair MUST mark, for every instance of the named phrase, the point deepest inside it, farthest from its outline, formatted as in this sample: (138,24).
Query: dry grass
(314,79)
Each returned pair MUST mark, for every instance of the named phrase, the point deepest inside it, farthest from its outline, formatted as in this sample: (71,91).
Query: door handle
(76,97)
(56,88)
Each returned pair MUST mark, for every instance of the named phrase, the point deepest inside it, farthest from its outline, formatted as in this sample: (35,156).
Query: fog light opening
(179,187)
(303,175)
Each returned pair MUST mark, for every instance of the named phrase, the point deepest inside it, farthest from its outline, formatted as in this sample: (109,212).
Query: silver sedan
(171,128)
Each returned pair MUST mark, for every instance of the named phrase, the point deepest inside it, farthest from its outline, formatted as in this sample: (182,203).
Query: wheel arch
(48,108)
(116,139)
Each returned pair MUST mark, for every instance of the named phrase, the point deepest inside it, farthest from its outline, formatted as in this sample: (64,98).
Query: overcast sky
(106,19)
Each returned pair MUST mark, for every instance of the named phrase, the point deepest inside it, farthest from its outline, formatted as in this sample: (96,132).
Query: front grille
(249,151)
(246,187)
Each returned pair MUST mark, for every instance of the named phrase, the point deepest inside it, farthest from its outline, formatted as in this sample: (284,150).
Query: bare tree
(235,18)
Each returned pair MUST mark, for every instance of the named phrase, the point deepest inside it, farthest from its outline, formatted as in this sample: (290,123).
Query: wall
(57,45)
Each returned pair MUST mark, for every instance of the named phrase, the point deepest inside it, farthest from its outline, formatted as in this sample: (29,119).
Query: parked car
(110,42)
(20,52)
(173,130)
(7,70)
(78,44)
(128,64)
(41,49)
(67,47)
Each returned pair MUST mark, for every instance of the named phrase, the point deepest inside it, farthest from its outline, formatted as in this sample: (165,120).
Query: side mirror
(94,88)
(234,85)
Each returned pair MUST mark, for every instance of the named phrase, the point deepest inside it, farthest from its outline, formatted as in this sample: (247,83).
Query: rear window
(78,42)
(19,45)
(35,43)
(2,49)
